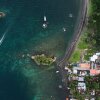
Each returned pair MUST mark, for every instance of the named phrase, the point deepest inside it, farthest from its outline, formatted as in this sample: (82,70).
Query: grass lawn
(80,47)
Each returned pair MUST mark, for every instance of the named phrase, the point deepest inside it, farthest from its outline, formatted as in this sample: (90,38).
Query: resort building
(91,67)
(81,71)
(95,64)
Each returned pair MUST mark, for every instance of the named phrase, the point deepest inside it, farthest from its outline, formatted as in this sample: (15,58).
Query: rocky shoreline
(43,59)
(78,30)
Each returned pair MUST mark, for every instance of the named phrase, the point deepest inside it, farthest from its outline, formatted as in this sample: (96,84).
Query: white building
(81,86)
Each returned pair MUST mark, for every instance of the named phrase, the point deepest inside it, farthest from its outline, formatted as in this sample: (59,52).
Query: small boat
(64,29)
(60,86)
(70,15)
(57,71)
(2,14)
(45,19)
(44,25)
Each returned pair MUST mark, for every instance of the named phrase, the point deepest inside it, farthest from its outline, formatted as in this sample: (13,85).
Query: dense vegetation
(90,38)
(89,42)
(93,83)
(43,59)
(94,25)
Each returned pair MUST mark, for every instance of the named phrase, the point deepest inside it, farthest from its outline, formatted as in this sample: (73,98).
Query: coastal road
(77,32)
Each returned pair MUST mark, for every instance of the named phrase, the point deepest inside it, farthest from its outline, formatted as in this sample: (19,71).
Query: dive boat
(45,19)
(44,25)
(70,15)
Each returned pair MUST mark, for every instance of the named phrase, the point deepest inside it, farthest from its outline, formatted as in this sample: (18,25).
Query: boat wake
(4,34)
(2,38)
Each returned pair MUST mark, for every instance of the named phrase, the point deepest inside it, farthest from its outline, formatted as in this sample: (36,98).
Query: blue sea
(21,35)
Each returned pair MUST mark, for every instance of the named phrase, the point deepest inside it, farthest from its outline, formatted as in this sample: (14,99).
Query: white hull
(45,19)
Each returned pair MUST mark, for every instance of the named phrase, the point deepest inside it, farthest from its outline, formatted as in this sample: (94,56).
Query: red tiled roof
(94,71)
(85,65)
(67,99)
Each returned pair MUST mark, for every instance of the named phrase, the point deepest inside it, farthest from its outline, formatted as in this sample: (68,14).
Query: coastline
(29,38)
(81,22)
(78,30)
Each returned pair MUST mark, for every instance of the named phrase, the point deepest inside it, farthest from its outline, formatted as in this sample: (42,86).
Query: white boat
(45,19)
(70,15)
(44,25)
(64,29)
(57,71)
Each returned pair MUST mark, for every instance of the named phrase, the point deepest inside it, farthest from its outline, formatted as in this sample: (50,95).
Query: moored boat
(44,25)
(45,19)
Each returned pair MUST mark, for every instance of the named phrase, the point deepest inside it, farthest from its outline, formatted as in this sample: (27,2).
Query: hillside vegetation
(94,25)
(89,42)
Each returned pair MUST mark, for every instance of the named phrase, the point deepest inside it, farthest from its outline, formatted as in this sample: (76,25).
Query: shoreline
(81,23)
(78,30)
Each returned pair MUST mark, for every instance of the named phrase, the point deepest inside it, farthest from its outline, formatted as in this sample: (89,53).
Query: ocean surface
(21,35)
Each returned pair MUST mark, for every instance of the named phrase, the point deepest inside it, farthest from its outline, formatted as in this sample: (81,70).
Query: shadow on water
(14,86)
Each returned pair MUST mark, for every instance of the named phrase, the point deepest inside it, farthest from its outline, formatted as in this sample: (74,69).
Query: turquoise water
(20,77)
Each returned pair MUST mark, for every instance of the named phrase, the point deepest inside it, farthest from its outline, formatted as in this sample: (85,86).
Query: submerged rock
(2,14)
